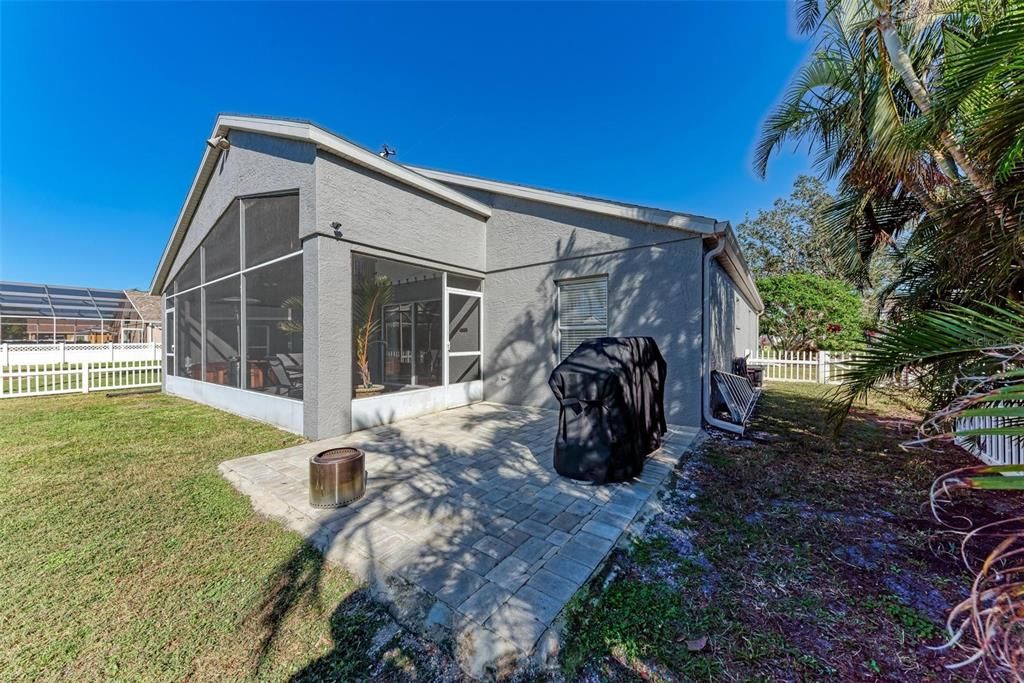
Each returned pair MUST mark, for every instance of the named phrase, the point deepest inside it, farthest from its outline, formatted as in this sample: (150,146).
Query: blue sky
(104,108)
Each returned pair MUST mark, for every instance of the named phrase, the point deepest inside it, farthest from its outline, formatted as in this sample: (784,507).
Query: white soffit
(735,265)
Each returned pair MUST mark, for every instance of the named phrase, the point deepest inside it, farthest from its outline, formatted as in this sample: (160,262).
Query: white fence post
(85,377)
(111,345)
(5,358)
(63,353)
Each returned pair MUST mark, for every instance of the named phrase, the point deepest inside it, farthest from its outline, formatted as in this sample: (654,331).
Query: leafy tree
(789,237)
(806,312)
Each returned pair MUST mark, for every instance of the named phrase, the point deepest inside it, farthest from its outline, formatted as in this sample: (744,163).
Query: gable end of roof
(302,131)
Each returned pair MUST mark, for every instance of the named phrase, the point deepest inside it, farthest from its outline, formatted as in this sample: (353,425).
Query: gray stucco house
(292,239)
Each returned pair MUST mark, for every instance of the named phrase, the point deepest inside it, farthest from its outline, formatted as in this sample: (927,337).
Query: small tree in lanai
(369,295)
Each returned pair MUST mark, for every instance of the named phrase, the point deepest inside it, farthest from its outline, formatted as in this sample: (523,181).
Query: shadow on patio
(466,532)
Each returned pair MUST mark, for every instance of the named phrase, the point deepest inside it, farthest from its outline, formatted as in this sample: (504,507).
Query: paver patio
(466,530)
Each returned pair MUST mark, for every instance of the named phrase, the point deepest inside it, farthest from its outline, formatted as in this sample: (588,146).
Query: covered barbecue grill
(612,394)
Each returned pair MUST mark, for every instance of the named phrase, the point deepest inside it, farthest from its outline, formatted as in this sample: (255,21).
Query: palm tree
(916,109)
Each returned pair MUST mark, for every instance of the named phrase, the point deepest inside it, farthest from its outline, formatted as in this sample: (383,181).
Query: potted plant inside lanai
(369,295)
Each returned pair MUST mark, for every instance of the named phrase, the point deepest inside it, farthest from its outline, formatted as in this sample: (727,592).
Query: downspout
(706,342)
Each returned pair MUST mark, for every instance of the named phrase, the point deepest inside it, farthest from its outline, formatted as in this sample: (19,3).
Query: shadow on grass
(292,584)
(353,623)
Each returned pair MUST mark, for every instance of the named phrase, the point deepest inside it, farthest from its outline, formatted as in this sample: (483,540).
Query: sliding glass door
(398,344)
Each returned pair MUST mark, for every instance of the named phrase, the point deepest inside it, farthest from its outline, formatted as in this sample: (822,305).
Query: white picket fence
(823,367)
(25,354)
(820,367)
(992,449)
(44,379)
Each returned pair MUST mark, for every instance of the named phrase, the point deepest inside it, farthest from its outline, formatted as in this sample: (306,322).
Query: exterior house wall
(521,252)
(254,164)
(380,217)
(654,289)
(748,328)
(377,216)
(379,213)
(327,337)
(734,323)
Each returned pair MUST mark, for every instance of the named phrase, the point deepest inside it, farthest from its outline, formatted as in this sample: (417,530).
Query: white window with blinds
(582,312)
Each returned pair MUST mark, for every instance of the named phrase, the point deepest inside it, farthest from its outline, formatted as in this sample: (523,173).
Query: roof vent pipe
(709,416)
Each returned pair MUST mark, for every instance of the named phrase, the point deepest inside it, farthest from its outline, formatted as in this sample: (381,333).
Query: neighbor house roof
(439,184)
(147,305)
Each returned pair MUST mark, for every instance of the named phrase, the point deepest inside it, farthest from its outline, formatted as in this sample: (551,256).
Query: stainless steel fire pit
(337,477)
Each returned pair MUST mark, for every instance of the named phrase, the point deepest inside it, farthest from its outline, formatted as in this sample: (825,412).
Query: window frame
(559,284)
(446,293)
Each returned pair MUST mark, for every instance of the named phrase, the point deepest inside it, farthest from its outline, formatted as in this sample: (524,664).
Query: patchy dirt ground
(791,556)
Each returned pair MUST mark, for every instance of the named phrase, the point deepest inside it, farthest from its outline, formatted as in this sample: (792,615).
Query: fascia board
(651,216)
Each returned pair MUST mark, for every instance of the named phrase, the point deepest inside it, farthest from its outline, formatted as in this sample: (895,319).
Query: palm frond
(938,346)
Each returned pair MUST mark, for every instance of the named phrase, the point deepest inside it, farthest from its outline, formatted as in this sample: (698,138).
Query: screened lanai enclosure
(43,314)
(234,309)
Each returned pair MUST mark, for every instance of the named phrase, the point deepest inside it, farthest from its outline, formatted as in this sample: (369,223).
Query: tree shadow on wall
(649,294)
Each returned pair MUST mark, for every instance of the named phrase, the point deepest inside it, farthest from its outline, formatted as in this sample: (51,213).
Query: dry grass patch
(798,557)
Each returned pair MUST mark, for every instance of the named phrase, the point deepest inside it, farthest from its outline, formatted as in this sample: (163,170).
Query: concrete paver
(465,531)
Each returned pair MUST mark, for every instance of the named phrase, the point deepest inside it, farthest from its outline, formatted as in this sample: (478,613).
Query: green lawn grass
(125,555)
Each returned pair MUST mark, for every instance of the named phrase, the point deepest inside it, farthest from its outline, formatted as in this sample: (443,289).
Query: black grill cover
(612,396)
